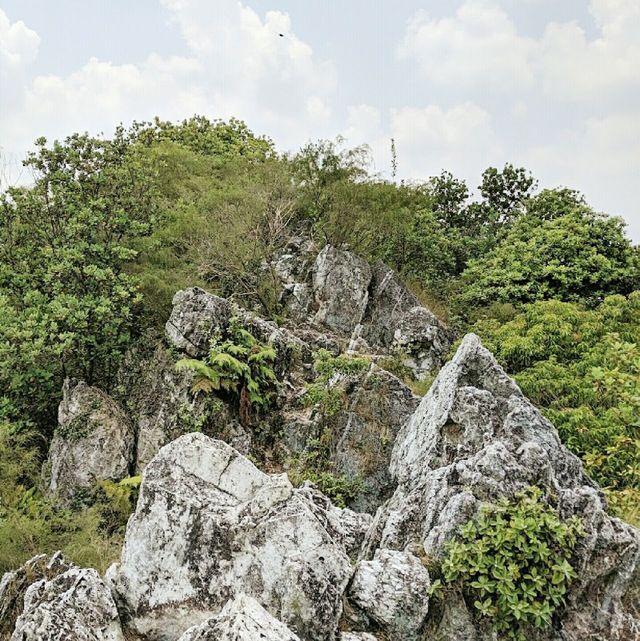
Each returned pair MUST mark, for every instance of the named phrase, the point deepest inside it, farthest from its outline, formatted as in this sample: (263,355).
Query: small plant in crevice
(514,563)
(237,363)
(323,394)
(315,465)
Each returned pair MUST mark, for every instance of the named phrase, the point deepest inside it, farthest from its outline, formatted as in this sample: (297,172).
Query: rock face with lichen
(94,441)
(209,525)
(73,605)
(475,438)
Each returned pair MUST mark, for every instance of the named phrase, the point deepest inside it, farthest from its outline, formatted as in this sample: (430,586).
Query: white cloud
(239,65)
(430,139)
(477,47)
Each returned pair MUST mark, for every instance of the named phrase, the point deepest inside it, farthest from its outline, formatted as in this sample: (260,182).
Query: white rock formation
(74,605)
(391,590)
(209,525)
(94,441)
(476,438)
(242,619)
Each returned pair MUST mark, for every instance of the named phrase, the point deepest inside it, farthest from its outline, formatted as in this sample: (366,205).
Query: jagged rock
(340,284)
(423,339)
(476,438)
(375,406)
(14,585)
(357,636)
(209,525)
(94,441)
(389,300)
(194,317)
(242,619)
(74,605)
(391,589)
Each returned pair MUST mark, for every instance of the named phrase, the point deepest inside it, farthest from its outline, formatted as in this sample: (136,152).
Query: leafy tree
(582,367)
(223,140)
(580,256)
(505,191)
(69,306)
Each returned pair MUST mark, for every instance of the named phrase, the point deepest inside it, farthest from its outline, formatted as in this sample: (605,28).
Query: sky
(460,85)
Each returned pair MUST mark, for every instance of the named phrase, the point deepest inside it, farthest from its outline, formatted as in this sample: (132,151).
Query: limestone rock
(14,585)
(357,636)
(194,317)
(391,589)
(340,289)
(74,605)
(241,619)
(162,407)
(389,300)
(209,525)
(476,438)
(423,339)
(94,441)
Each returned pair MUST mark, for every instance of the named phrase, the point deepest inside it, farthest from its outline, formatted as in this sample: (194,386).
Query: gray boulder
(241,619)
(389,300)
(340,283)
(94,441)
(209,525)
(422,339)
(391,590)
(196,314)
(14,585)
(476,438)
(74,605)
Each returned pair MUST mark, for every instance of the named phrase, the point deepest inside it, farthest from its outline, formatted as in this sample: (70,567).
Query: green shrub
(514,562)
(238,363)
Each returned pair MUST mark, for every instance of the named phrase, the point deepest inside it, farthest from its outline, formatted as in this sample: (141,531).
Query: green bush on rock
(514,562)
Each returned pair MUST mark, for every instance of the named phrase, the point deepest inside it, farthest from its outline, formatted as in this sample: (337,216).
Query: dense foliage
(514,561)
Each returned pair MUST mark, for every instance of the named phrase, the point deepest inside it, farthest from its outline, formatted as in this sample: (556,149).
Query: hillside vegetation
(92,253)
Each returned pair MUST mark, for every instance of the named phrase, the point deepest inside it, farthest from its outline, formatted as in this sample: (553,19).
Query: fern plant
(237,363)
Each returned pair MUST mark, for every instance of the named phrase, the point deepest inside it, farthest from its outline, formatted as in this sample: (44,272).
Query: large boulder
(340,284)
(94,441)
(241,619)
(74,605)
(209,525)
(476,438)
(14,585)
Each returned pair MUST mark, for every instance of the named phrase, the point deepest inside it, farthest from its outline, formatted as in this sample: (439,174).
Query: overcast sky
(459,84)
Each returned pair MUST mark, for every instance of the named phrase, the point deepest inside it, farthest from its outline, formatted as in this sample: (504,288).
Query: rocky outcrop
(74,605)
(242,619)
(340,285)
(391,590)
(209,525)
(194,317)
(361,432)
(14,585)
(339,292)
(476,438)
(94,441)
